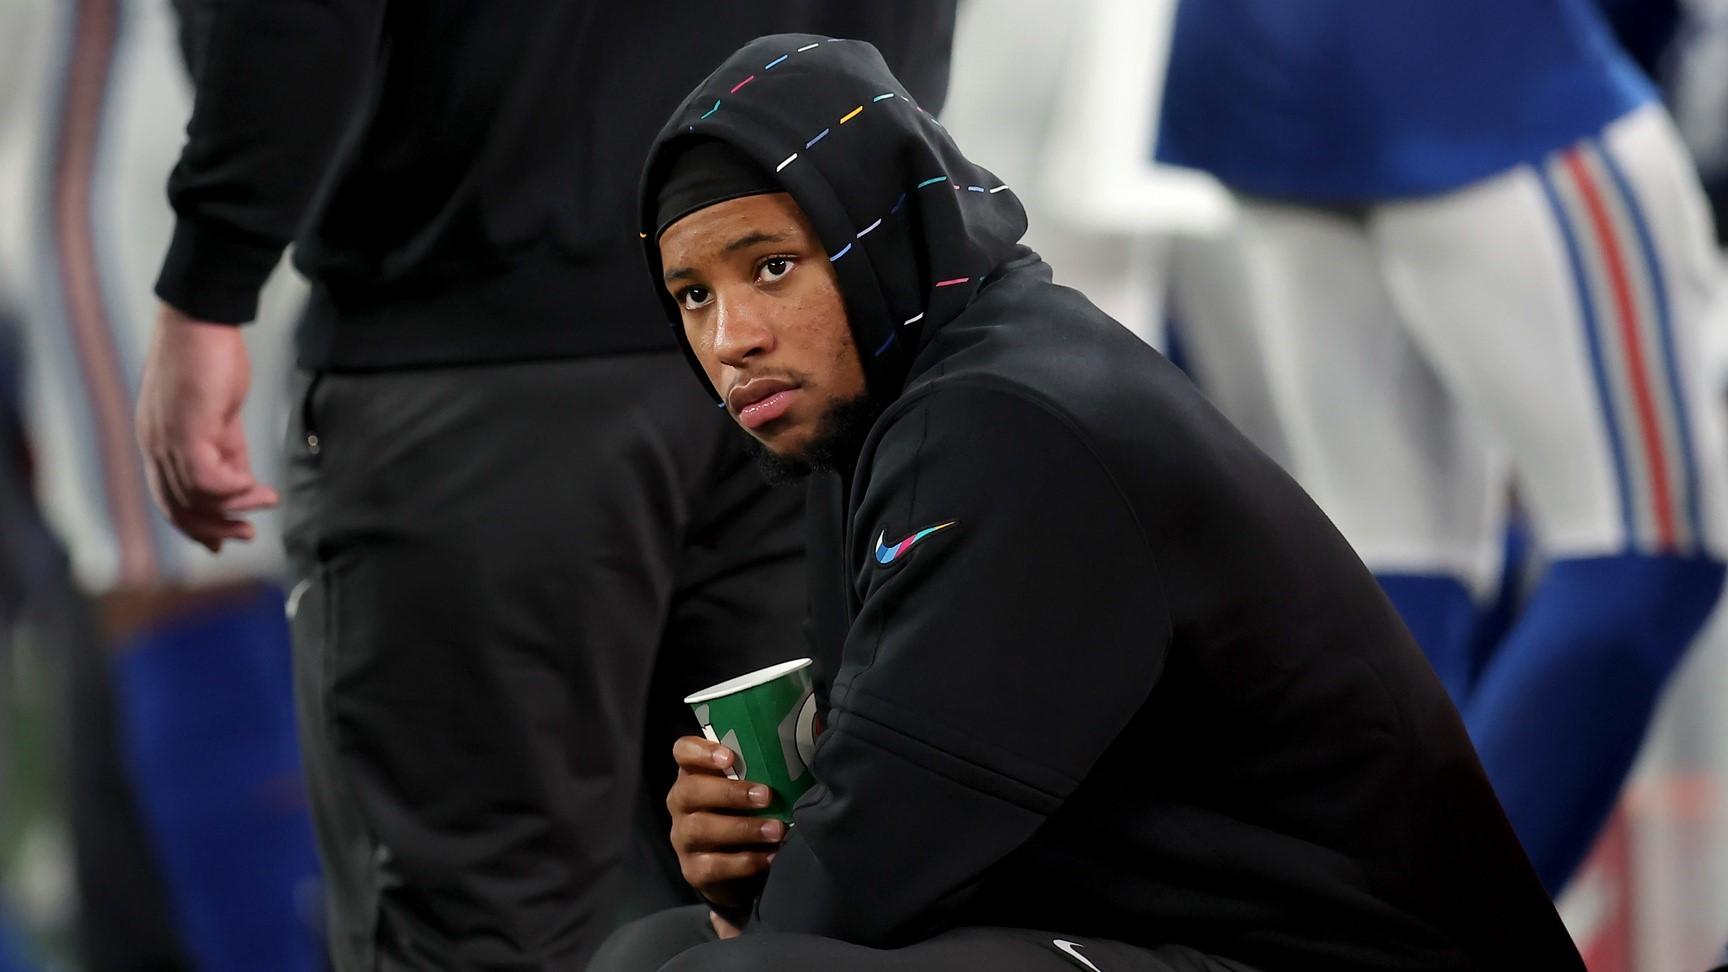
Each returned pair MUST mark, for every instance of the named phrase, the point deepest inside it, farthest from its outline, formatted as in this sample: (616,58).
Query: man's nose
(741,332)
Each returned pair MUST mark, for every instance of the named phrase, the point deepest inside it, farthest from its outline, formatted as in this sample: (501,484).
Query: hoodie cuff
(213,276)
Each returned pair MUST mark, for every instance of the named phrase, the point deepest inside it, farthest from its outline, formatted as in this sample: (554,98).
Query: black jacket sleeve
(277,83)
(991,663)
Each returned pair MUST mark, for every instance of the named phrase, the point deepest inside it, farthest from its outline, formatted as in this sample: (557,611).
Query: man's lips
(761,400)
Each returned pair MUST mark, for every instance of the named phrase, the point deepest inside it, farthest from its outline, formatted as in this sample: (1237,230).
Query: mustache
(783,374)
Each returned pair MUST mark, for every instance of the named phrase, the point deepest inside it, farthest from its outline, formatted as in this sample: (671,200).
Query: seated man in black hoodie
(1101,687)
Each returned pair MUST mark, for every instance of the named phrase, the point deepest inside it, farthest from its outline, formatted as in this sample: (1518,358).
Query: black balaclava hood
(911,226)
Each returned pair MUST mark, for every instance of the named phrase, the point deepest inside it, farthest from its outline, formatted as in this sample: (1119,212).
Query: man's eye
(691,298)
(774,268)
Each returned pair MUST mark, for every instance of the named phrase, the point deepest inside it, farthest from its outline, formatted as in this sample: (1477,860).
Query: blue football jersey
(1356,100)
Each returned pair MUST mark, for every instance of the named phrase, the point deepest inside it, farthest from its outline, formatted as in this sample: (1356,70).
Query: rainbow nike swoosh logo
(887,554)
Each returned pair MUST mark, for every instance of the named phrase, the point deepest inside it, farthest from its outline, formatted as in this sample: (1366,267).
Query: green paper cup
(767,718)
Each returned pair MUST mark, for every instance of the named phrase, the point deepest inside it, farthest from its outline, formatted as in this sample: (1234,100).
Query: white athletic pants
(1540,330)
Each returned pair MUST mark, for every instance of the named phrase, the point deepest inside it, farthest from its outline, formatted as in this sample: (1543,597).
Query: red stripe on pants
(1643,402)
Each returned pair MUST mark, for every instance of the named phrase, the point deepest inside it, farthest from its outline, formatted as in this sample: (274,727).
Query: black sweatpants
(501,571)
(682,940)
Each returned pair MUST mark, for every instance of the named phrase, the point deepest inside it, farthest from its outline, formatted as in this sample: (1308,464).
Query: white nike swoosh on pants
(1072,950)
(292,607)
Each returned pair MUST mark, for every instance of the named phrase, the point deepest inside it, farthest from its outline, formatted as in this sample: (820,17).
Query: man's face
(761,307)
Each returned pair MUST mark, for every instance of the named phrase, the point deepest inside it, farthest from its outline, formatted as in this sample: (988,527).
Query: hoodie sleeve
(998,652)
(277,83)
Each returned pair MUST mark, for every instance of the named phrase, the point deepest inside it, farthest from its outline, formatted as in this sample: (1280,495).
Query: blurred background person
(514,527)
(1475,256)
(190,830)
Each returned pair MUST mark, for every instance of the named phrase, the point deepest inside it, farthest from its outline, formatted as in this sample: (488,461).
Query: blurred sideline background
(1059,100)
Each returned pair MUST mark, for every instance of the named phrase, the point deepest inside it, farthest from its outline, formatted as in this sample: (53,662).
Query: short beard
(840,435)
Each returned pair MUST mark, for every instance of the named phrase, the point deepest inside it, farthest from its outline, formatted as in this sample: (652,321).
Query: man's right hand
(190,430)
(723,853)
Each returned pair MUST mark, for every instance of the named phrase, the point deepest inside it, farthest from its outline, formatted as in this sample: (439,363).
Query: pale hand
(723,853)
(190,430)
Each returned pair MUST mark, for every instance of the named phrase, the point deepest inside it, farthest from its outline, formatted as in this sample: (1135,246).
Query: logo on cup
(740,769)
(798,733)
(808,730)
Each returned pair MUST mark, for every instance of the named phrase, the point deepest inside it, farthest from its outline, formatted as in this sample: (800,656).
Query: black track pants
(501,571)
(681,940)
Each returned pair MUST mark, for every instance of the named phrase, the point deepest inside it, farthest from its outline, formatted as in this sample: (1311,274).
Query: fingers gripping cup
(768,719)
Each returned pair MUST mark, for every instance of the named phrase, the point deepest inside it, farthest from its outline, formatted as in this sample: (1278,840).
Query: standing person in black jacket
(503,510)
(1101,687)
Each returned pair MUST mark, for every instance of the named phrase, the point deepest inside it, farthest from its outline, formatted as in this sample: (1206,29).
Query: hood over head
(911,226)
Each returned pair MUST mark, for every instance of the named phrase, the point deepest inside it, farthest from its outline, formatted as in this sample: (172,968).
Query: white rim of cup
(747,681)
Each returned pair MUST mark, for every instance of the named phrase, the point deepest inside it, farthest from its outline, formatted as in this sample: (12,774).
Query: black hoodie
(1088,661)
